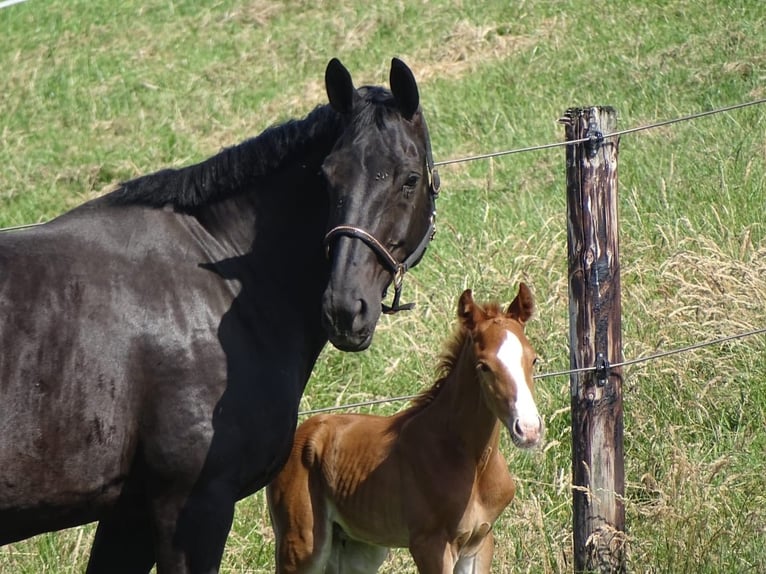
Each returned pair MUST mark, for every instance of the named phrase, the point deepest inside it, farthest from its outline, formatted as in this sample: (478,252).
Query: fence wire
(543,146)
(568,372)
(501,153)
(7,3)
(613,134)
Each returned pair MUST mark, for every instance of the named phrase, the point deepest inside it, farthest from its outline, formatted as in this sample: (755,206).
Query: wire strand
(357,405)
(7,3)
(543,146)
(613,134)
(524,150)
(663,354)
(636,361)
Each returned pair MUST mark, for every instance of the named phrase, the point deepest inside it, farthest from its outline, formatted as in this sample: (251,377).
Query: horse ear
(468,312)
(523,306)
(340,88)
(405,88)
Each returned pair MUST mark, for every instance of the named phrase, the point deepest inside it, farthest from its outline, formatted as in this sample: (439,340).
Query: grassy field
(94,92)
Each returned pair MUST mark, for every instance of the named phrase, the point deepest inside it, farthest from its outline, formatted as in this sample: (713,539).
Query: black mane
(377,104)
(233,169)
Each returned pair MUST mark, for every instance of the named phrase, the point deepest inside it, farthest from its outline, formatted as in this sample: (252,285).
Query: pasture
(98,92)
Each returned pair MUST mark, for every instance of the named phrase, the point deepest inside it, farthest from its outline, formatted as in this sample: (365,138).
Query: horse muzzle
(349,318)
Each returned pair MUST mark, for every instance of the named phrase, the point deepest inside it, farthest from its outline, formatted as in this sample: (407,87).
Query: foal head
(504,363)
(382,187)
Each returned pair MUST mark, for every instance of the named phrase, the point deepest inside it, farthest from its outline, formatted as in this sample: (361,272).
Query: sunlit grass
(95,92)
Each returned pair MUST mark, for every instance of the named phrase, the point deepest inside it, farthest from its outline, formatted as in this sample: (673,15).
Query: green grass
(95,92)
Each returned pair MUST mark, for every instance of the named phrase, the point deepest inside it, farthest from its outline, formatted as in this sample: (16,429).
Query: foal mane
(449,358)
(231,171)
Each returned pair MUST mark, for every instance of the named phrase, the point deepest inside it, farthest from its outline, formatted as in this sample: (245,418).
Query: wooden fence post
(598,483)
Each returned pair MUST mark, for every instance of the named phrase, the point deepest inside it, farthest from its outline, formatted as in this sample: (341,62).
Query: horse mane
(377,105)
(448,360)
(231,171)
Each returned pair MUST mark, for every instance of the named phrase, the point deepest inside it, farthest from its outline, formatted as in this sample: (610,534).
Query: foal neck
(461,406)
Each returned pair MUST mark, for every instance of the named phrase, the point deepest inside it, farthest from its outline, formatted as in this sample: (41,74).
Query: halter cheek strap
(397,269)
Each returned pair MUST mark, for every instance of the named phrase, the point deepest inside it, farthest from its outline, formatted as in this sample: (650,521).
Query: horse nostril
(362,307)
(517,429)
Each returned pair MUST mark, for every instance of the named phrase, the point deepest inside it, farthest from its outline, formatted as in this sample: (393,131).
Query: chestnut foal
(430,478)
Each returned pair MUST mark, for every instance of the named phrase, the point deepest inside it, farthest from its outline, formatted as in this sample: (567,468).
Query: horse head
(382,187)
(504,362)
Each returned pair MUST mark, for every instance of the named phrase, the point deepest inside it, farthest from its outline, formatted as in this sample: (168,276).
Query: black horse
(155,342)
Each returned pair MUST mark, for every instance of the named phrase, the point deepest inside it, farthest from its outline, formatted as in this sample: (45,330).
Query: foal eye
(483,367)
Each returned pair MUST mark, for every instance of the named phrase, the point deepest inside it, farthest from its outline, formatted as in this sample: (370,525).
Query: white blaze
(510,354)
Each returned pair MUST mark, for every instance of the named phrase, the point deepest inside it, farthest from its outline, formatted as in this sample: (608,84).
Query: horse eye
(412,180)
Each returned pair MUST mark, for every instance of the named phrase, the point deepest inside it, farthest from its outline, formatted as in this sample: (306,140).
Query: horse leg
(123,542)
(191,530)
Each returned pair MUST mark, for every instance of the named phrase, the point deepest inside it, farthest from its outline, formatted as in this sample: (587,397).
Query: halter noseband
(397,269)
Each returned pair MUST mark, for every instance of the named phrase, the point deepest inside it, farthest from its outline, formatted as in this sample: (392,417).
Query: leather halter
(398,269)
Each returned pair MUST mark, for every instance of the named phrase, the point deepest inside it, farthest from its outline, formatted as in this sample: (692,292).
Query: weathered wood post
(598,481)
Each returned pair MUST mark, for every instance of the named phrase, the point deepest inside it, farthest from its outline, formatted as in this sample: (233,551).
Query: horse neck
(272,174)
(461,407)
(285,209)
(287,193)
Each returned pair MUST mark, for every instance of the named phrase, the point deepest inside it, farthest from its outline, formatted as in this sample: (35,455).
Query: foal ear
(404,87)
(340,88)
(523,306)
(468,312)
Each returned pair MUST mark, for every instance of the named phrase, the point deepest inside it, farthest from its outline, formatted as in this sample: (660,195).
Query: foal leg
(432,556)
(303,532)
(303,541)
(304,549)
(479,563)
(353,557)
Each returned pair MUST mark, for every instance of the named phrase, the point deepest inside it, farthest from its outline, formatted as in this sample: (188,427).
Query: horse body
(430,478)
(156,341)
(93,395)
